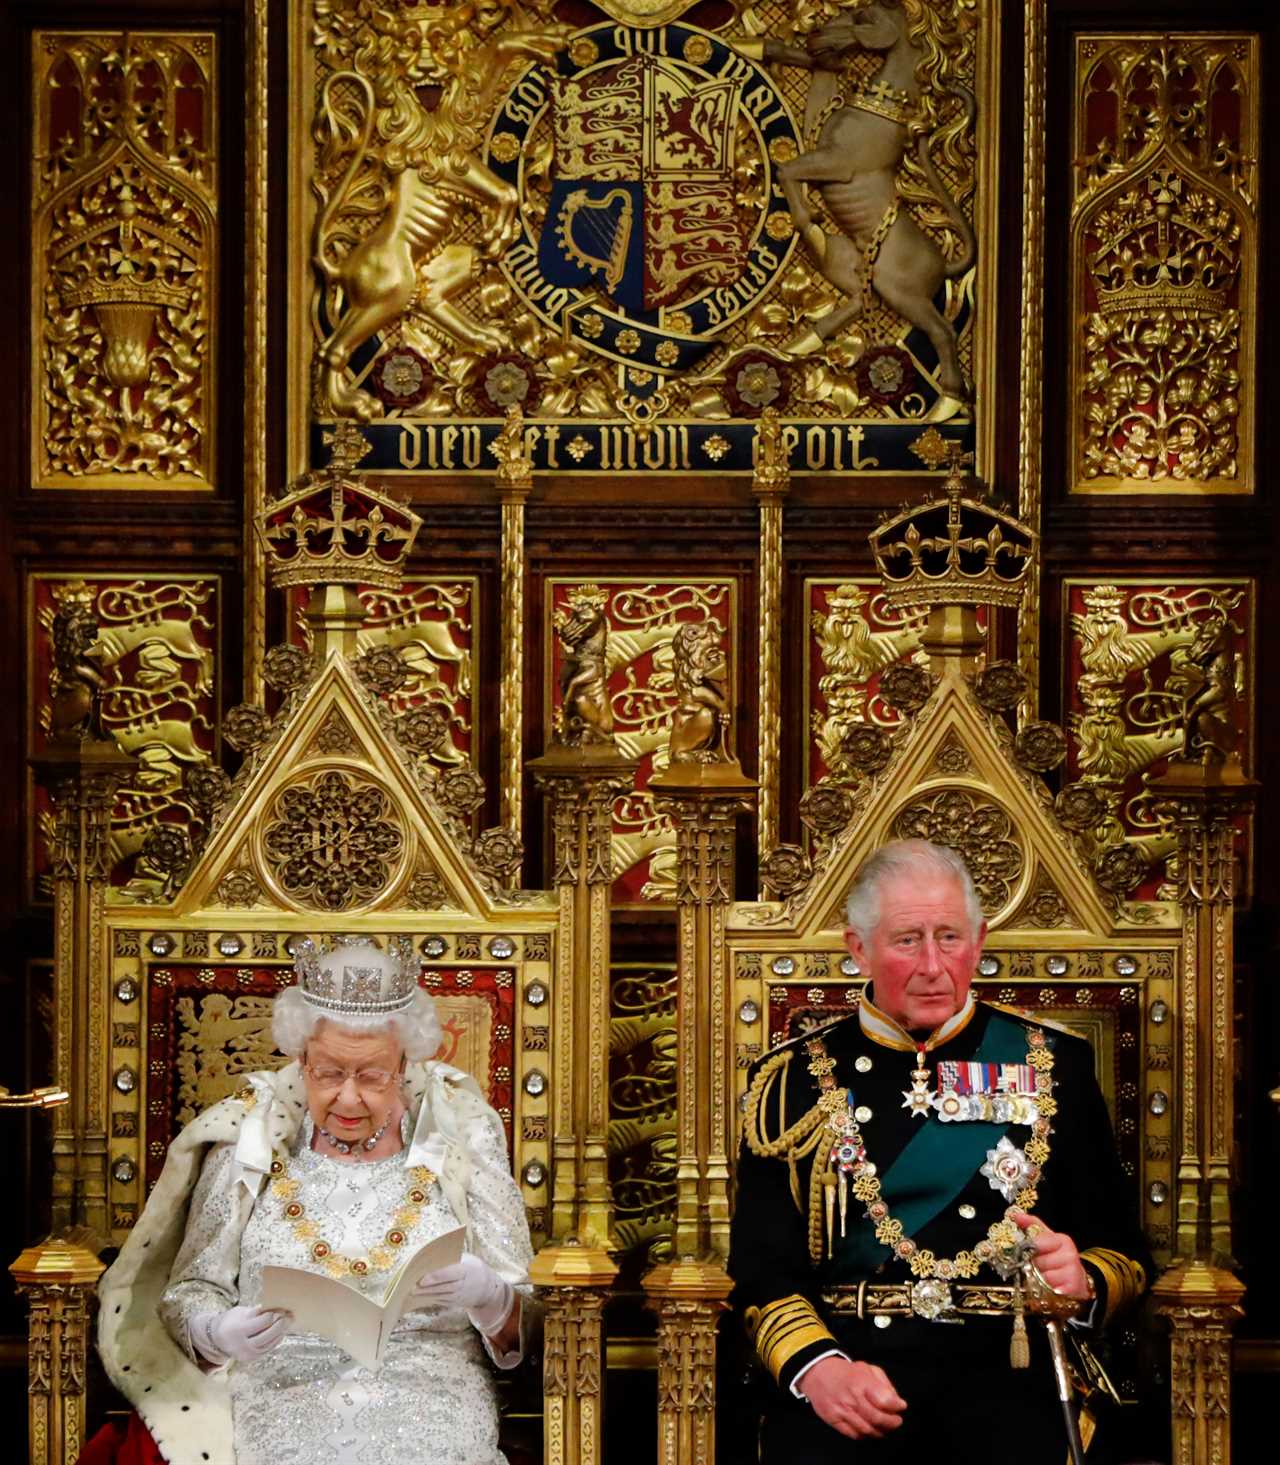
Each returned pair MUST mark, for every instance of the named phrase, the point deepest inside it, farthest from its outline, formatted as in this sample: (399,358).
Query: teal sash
(938,1161)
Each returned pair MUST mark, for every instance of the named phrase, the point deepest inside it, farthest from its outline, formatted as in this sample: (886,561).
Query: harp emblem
(595,233)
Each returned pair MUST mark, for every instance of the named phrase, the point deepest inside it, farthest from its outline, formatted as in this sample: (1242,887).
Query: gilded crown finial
(954,549)
(333,527)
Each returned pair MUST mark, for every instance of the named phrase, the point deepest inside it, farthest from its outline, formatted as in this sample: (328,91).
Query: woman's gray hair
(906,857)
(417,1029)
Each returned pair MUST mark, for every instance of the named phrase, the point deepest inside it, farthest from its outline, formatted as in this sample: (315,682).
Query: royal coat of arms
(646,232)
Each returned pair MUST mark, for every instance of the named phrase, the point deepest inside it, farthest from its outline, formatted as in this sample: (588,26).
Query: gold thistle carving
(1164,243)
(424,169)
(124,185)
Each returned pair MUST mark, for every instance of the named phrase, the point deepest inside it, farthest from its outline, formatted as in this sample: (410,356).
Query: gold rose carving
(1164,262)
(124,193)
(856,636)
(873,133)
(979,831)
(422,171)
(333,841)
(1157,671)
(133,661)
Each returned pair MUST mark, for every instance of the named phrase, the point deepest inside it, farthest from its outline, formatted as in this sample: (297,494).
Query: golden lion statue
(426,169)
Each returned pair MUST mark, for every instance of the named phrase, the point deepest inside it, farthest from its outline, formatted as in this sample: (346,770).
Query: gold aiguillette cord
(829,1196)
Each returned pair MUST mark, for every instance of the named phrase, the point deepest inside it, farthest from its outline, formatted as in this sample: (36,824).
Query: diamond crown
(333,527)
(953,550)
(356,977)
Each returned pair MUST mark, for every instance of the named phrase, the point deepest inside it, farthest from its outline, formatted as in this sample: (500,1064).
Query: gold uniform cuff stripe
(1124,1277)
(785,1327)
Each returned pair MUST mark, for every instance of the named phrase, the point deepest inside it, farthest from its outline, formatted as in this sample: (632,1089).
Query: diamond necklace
(343,1147)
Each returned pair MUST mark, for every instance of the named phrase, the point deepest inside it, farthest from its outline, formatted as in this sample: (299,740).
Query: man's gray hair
(906,857)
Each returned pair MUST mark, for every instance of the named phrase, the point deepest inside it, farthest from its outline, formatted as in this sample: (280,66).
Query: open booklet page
(360,1325)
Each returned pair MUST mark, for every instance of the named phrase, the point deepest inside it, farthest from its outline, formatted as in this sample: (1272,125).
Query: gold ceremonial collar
(882,1029)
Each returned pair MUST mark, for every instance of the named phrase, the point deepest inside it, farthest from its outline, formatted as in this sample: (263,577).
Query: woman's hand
(242,1333)
(472,1285)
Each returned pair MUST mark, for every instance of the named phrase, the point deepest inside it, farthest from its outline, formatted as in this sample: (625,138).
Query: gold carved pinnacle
(954,549)
(772,473)
(515,465)
(335,527)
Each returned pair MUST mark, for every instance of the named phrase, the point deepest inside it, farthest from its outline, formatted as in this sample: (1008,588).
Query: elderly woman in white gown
(345,1162)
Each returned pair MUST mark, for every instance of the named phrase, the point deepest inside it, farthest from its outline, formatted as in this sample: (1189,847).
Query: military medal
(1003,1093)
(919,1098)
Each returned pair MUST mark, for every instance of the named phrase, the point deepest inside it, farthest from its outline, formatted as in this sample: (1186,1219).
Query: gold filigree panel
(542,232)
(123,262)
(980,831)
(643,616)
(432,625)
(1139,666)
(1164,242)
(148,643)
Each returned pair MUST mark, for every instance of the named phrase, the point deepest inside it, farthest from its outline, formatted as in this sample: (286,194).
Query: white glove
(242,1333)
(473,1285)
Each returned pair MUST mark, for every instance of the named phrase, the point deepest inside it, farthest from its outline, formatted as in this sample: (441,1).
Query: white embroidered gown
(306,1402)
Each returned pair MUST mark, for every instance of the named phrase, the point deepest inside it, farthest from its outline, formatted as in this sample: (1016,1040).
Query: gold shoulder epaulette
(1034,1019)
(753,1109)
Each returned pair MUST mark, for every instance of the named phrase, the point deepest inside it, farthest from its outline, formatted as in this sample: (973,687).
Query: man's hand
(855,1398)
(1057,1259)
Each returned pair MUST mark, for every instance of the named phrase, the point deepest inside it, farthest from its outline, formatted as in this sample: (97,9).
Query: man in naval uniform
(887,1162)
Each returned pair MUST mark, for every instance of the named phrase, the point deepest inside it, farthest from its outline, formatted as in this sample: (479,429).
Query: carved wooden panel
(1133,663)
(150,641)
(643,616)
(123,259)
(432,624)
(600,233)
(1164,262)
(642,1108)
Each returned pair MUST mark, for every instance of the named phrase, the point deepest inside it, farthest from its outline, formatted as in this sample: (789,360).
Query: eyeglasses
(367,1080)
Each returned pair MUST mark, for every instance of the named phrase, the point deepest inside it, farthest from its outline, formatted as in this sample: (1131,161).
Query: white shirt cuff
(830,1353)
